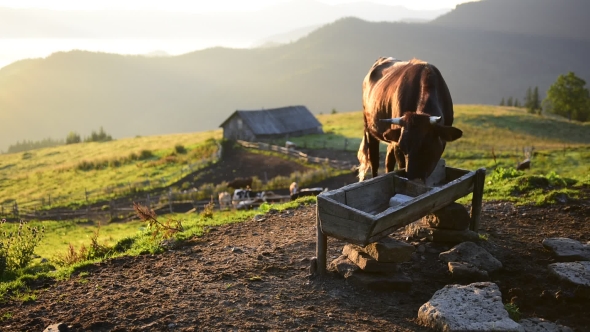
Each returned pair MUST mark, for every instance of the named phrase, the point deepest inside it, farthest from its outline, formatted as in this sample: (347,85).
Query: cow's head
(421,139)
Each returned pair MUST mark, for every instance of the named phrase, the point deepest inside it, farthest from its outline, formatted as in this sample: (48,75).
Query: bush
(101,136)
(17,247)
(145,154)
(180,149)
(96,250)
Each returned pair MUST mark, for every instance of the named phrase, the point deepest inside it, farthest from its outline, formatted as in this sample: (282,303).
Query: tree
(73,138)
(516,102)
(536,101)
(502,103)
(509,101)
(569,98)
(528,101)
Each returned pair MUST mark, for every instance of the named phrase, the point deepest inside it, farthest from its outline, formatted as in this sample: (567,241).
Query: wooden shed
(272,123)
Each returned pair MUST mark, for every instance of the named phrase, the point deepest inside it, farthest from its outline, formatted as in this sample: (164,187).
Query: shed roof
(277,120)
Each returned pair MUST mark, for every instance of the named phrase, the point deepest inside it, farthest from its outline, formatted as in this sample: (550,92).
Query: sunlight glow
(202,6)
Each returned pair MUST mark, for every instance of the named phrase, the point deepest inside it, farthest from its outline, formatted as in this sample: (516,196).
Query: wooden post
(345,143)
(477,200)
(87,204)
(148,202)
(170,199)
(321,248)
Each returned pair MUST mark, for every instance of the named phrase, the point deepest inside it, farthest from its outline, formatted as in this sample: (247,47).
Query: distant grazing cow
(240,183)
(306,192)
(407,104)
(224,200)
(293,188)
(242,196)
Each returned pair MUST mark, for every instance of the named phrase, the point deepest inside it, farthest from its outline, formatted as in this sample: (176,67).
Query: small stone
(470,252)
(467,272)
(365,261)
(343,266)
(59,327)
(390,250)
(453,216)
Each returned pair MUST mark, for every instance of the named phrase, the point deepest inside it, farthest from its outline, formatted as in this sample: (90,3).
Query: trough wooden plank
(371,196)
(429,202)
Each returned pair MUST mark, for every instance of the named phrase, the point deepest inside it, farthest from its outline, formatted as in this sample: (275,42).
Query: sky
(199,6)
(14,48)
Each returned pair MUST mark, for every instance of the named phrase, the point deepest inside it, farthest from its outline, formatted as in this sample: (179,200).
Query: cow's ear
(448,133)
(392,135)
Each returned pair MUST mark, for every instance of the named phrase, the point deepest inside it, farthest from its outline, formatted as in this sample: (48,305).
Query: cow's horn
(393,120)
(434,119)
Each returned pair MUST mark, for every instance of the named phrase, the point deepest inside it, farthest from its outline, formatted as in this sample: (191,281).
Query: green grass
(70,170)
(133,240)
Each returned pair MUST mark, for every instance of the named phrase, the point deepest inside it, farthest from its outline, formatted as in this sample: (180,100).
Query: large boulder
(567,250)
(577,273)
(473,307)
(469,252)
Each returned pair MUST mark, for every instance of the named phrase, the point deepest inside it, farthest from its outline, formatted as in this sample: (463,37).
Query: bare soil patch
(254,275)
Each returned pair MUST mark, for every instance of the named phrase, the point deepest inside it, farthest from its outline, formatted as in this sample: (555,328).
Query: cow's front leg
(399,156)
(390,158)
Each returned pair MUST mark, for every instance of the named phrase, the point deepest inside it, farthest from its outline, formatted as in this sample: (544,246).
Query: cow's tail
(363,157)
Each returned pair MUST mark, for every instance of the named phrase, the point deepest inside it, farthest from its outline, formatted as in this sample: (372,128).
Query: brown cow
(406,104)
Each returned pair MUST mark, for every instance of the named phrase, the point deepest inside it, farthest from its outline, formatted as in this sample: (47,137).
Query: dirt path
(254,276)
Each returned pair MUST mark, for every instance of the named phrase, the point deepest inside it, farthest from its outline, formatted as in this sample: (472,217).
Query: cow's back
(393,87)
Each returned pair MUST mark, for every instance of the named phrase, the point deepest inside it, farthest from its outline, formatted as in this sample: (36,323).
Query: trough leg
(477,200)
(321,248)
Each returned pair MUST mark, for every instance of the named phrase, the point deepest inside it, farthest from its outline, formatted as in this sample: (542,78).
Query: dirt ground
(254,276)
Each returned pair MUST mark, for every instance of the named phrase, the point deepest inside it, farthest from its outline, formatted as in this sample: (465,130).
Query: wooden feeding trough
(360,213)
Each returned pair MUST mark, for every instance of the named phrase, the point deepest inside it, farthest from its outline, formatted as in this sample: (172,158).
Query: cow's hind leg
(373,153)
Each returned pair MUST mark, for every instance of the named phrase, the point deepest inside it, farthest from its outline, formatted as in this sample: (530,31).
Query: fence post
(148,202)
(345,143)
(15,210)
(170,199)
(87,204)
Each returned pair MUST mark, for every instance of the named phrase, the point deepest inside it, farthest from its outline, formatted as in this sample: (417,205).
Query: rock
(474,307)
(343,266)
(390,250)
(450,235)
(366,262)
(467,272)
(470,252)
(453,216)
(577,273)
(541,325)
(259,217)
(567,250)
(380,282)
(61,327)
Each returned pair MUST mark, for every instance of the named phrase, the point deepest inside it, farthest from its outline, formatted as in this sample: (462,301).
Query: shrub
(145,154)
(17,247)
(96,250)
(180,149)
(165,230)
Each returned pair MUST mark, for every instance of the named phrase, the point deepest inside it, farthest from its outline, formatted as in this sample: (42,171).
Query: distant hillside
(136,95)
(245,26)
(548,18)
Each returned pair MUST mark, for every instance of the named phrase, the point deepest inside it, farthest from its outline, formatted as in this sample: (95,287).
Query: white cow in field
(224,200)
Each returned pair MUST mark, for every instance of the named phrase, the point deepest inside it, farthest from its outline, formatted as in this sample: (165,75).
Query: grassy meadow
(68,171)
(488,131)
